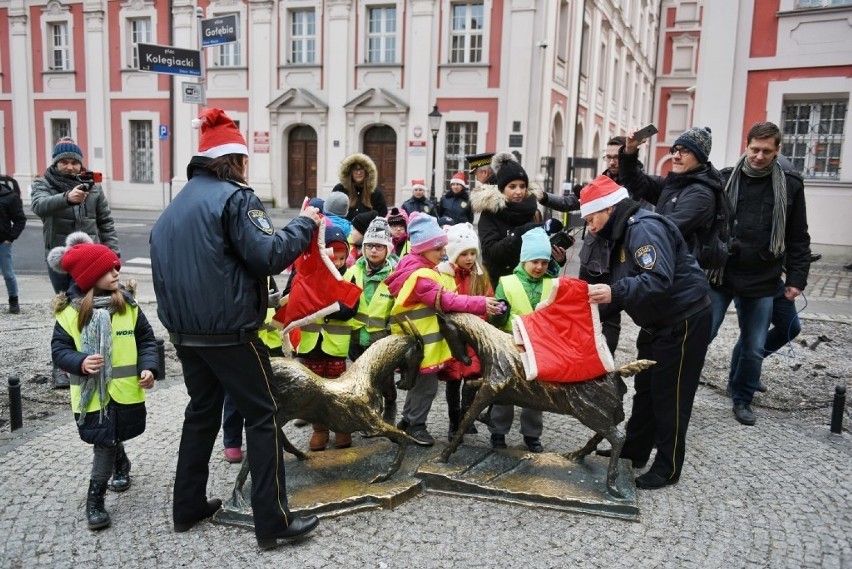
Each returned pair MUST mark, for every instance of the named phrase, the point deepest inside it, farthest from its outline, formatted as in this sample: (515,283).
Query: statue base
(336,482)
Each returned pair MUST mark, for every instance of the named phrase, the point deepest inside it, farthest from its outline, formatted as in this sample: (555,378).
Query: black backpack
(712,251)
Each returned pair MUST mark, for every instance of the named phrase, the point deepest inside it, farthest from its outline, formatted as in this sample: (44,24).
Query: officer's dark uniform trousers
(662,405)
(244,371)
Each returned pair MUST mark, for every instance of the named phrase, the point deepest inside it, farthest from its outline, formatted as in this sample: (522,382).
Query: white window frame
(131,11)
(304,40)
(134,39)
(153,150)
(812,4)
(481,120)
(155,119)
(460,165)
(48,117)
(816,107)
(383,37)
(449,33)
(54,13)
(229,55)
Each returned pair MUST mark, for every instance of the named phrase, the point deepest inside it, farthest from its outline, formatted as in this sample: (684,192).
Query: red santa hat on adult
(599,194)
(219,134)
(460,179)
(418,184)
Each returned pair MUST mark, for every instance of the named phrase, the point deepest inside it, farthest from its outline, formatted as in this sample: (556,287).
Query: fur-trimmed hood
(487,197)
(370,180)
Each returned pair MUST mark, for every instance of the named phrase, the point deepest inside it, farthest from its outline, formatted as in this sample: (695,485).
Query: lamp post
(434,125)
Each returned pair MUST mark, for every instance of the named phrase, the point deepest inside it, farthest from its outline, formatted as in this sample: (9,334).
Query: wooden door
(301,165)
(380,145)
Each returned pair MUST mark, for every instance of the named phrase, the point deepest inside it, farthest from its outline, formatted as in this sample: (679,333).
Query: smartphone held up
(645,133)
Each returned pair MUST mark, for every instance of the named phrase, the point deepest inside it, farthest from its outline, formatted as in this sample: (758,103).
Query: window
(58,54)
(564,32)
(141,152)
(822,3)
(59,128)
(381,35)
(228,54)
(585,51)
(461,142)
(813,136)
(138,31)
(303,36)
(466,33)
(602,68)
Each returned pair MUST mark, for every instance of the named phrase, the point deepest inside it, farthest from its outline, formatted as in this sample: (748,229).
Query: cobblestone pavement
(775,495)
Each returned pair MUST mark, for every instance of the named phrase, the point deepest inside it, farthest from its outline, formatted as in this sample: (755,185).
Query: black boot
(453,389)
(467,397)
(121,474)
(14,307)
(95,512)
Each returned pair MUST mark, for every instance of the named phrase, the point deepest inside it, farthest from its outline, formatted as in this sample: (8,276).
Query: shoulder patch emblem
(260,220)
(425,209)
(645,257)
(464,204)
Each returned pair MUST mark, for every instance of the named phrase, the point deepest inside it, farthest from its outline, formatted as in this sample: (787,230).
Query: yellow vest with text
(517,298)
(375,315)
(124,386)
(424,318)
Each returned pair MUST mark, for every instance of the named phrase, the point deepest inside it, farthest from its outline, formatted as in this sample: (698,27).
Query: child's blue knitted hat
(424,233)
(535,245)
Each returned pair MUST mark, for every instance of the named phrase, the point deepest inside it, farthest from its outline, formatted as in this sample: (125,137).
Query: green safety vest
(517,297)
(124,385)
(425,320)
(374,316)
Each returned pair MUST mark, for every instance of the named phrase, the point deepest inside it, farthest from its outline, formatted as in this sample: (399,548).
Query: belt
(207,340)
(690,310)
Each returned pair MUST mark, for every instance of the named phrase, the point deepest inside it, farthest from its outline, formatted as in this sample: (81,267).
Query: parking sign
(164,132)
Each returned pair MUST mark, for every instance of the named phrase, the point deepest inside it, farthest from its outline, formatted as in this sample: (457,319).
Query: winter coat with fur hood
(356,193)
(501,226)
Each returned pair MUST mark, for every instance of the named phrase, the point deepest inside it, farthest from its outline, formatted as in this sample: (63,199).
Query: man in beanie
(418,200)
(455,204)
(769,255)
(371,323)
(419,292)
(688,194)
(659,284)
(211,285)
(65,204)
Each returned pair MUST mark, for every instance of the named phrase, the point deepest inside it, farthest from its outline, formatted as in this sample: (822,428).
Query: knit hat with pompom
(83,259)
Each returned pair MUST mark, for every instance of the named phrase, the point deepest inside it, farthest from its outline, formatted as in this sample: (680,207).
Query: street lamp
(434,125)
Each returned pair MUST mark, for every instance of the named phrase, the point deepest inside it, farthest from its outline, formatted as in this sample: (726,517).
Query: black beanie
(508,169)
(362,221)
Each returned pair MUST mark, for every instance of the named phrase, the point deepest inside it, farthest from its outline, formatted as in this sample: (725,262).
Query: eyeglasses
(610,157)
(357,168)
(374,246)
(683,152)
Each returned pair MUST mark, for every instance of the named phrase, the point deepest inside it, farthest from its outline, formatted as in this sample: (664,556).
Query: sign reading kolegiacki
(216,31)
(168,59)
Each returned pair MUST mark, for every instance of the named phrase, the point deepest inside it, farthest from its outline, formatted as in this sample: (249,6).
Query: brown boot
(342,440)
(319,439)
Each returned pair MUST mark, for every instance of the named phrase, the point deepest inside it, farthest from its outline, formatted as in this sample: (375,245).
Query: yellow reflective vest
(269,334)
(424,318)
(517,297)
(373,316)
(124,385)
(336,335)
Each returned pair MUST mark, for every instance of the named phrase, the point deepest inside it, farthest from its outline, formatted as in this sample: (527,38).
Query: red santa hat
(219,134)
(459,178)
(599,194)
(418,185)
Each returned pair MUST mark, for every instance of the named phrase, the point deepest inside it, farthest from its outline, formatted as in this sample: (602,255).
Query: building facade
(311,81)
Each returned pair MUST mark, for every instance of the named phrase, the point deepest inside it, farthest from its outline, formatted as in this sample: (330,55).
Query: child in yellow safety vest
(374,307)
(103,340)
(324,344)
(522,291)
(419,291)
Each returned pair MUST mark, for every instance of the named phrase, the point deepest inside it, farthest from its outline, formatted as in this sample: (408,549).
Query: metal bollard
(16,418)
(161,354)
(837,409)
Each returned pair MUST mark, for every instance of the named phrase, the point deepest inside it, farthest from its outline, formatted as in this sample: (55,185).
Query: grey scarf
(96,338)
(779,187)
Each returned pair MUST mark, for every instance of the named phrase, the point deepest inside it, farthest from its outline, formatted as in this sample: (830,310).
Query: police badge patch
(464,205)
(260,220)
(645,257)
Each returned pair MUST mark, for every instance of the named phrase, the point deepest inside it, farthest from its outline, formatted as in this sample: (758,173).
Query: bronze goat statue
(349,403)
(595,403)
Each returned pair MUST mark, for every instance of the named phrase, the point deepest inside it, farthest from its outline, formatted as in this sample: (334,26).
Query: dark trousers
(232,425)
(662,405)
(610,316)
(244,372)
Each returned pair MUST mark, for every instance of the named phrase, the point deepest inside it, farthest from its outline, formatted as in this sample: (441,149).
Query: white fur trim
(223,149)
(603,202)
(77,238)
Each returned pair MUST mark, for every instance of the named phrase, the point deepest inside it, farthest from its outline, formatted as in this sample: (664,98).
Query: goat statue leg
(401,440)
(237,496)
(484,397)
(616,438)
(586,450)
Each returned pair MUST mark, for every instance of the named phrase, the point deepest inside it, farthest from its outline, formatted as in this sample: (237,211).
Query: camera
(89,179)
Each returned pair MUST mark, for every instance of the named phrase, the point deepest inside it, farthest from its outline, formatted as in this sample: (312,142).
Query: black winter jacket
(688,199)
(654,276)
(12,216)
(423,205)
(752,271)
(212,250)
(456,206)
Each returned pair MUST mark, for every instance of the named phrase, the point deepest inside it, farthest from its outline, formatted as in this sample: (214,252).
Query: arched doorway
(301,165)
(380,145)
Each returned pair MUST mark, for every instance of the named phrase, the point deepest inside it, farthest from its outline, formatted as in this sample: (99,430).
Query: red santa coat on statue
(562,336)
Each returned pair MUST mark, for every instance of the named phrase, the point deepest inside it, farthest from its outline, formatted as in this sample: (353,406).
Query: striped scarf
(96,338)
(779,187)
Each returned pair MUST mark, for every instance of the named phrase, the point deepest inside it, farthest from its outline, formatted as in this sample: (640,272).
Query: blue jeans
(785,322)
(8,269)
(754,315)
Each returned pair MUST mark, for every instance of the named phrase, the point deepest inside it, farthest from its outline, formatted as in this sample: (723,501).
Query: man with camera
(68,199)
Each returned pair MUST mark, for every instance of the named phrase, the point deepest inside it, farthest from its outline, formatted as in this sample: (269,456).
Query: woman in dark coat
(508,210)
(358,179)
(455,204)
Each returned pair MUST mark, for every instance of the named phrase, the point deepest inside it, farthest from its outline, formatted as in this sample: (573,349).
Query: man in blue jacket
(212,250)
(659,284)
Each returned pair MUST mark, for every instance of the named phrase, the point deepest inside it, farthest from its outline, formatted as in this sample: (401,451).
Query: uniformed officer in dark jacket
(212,250)
(659,284)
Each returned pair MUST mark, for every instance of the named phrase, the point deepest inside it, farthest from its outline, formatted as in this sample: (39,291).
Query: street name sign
(216,31)
(170,60)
